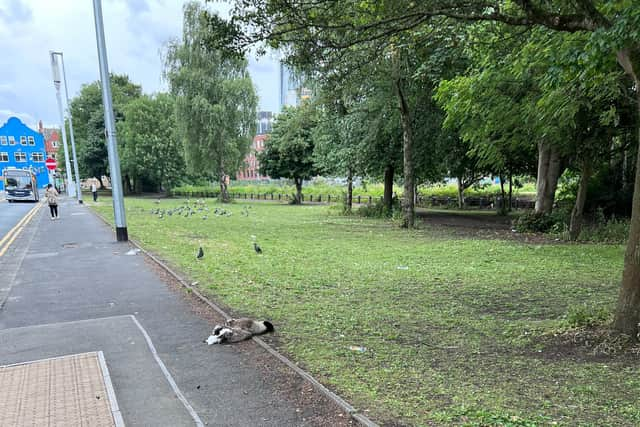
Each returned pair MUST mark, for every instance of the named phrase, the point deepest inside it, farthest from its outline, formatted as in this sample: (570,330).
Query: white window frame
(22,155)
(54,144)
(38,154)
(12,140)
(4,156)
(31,140)
(23,141)
(3,140)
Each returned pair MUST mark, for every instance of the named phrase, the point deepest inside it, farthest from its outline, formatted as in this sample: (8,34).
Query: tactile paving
(64,391)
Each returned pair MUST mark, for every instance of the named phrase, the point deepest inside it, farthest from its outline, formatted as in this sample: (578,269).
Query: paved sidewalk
(75,291)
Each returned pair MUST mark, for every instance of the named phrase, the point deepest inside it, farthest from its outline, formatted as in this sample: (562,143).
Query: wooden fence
(423,201)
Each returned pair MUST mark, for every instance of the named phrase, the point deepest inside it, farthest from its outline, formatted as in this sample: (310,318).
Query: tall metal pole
(56,83)
(110,128)
(73,142)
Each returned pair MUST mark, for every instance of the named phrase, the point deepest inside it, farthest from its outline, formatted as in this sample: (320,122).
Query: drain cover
(69,245)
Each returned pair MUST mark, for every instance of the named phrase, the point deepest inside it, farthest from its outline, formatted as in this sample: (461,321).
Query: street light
(56,83)
(110,128)
(73,142)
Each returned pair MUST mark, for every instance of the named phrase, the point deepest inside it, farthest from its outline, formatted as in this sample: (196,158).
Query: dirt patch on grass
(479,225)
(596,344)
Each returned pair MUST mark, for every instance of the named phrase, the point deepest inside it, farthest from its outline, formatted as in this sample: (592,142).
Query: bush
(587,316)
(379,210)
(611,231)
(556,222)
(532,222)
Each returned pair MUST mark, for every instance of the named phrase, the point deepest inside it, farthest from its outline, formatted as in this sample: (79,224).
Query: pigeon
(200,253)
(257,248)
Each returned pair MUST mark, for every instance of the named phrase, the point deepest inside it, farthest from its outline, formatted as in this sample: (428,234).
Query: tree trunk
(224,193)
(349,201)
(627,314)
(575,226)
(503,202)
(102,186)
(510,192)
(298,199)
(549,171)
(388,188)
(408,206)
(460,193)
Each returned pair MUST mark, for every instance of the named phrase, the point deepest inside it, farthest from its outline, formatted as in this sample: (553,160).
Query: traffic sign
(51,164)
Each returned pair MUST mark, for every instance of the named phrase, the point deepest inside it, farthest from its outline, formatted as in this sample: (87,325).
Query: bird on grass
(200,253)
(257,248)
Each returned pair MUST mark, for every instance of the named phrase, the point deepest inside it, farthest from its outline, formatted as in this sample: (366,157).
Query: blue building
(23,148)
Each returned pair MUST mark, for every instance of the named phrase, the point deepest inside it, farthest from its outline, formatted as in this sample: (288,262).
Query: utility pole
(73,142)
(56,83)
(110,128)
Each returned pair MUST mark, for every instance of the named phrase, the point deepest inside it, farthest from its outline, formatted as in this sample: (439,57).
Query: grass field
(416,327)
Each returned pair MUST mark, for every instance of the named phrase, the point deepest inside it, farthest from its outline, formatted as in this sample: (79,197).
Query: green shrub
(532,222)
(611,231)
(379,210)
(556,222)
(587,316)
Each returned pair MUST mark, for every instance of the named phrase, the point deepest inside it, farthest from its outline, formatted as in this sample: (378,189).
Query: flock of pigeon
(199,207)
(188,209)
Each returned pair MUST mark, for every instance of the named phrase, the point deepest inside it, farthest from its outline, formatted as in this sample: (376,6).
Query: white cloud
(135,33)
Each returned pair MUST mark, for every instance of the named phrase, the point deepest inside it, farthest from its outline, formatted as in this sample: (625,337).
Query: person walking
(94,191)
(52,199)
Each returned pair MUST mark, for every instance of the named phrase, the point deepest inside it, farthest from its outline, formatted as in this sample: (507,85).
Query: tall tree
(152,151)
(288,151)
(88,122)
(216,101)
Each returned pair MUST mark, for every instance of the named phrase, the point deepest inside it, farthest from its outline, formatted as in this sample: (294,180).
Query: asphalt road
(11,214)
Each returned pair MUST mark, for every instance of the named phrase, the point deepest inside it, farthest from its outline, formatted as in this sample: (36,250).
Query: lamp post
(56,83)
(73,142)
(110,128)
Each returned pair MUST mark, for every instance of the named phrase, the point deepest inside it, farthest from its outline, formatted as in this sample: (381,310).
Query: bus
(20,184)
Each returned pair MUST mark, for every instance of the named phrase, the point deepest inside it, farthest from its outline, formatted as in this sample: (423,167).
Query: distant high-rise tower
(289,88)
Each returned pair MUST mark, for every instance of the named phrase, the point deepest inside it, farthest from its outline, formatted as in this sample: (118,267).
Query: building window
(32,141)
(20,157)
(37,157)
(52,156)
(4,157)
(54,144)
(23,140)
(3,140)
(12,140)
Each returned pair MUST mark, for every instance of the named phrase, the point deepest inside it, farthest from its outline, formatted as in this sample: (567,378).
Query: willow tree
(216,101)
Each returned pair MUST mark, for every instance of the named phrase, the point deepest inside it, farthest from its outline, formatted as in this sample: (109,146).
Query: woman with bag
(52,199)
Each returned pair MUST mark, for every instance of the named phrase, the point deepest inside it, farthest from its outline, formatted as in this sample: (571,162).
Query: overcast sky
(135,33)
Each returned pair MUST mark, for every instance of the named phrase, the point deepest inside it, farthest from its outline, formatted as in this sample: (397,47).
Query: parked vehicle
(20,184)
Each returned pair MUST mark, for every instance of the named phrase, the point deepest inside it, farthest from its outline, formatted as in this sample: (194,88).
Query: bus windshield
(18,183)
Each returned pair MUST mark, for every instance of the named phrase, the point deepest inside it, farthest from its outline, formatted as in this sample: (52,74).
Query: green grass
(451,325)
